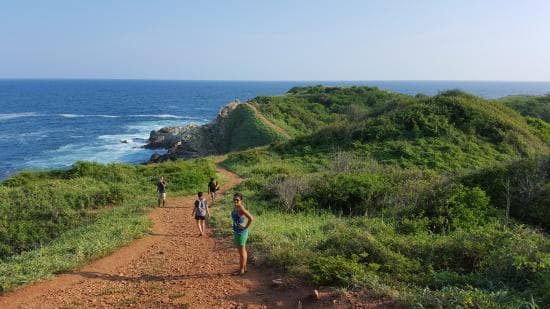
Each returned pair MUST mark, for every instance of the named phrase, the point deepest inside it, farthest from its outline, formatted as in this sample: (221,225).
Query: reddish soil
(173,267)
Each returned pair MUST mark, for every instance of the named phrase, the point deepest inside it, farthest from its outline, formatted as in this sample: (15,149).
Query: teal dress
(240,234)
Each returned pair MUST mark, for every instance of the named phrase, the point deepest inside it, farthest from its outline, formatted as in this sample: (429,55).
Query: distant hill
(431,201)
(532,106)
(449,131)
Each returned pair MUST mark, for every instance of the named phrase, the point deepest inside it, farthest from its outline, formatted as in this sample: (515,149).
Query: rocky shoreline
(192,140)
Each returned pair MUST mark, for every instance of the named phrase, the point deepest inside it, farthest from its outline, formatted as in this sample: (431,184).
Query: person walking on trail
(240,229)
(213,186)
(161,189)
(200,211)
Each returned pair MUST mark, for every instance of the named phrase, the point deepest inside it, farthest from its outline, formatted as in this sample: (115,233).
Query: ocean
(48,124)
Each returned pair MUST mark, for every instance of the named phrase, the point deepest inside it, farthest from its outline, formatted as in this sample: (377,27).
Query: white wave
(98,151)
(134,140)
(18,115)
(107,116)
(26,137)
(159,116)
(83,116)
(146,127)
(123,146)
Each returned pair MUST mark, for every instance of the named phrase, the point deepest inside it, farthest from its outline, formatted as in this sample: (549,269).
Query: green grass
(243,130)
(487,266)
(401,196)
(533,106)
(55,221)
(396,195)
(111,229)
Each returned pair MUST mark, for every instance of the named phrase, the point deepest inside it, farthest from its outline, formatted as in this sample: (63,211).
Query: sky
(276,40)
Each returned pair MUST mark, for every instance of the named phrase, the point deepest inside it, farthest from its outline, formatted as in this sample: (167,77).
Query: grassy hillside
(451,131)
(243,130)
(58,220)
(430,201)
(304,110)
(403,197)
(532,106)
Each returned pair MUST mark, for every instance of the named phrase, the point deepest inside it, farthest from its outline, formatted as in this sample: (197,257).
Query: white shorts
(162,196)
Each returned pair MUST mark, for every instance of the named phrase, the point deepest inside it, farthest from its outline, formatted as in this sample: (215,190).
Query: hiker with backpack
(200,211)
(213,186)
(240,230)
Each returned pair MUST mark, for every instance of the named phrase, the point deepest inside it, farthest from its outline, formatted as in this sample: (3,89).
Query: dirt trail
(267,122)
(171,268)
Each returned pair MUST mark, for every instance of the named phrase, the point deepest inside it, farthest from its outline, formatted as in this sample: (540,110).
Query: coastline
(60,133)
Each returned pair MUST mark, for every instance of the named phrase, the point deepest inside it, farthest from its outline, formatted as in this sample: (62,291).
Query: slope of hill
(237,127)
(450,131)
(428,201)
(395,196)
(54,221)
(532,106)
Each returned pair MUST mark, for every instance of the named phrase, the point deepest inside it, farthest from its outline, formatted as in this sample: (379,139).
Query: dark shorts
(200,217)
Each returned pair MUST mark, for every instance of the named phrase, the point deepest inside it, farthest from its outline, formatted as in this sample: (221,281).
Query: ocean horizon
(52,123)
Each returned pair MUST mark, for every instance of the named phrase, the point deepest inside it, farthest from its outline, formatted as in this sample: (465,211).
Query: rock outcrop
(168,136)
(192,140)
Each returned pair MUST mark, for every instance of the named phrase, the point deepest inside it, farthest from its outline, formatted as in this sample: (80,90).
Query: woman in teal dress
(240,229)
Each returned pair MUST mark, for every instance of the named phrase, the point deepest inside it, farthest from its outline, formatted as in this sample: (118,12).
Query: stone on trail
(315,295)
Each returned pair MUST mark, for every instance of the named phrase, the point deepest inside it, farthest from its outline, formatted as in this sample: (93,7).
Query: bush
(337,271)
(453,206)
(522,186)
(431,236)
(351,194)
(37,207)
(286,189)
(352,241)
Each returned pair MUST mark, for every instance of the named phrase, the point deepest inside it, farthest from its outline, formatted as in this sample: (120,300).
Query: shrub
(337,271)
(352,241)
(37,207)
(286,189)
(343,162)
(452,206)
(350,193)
(523,186)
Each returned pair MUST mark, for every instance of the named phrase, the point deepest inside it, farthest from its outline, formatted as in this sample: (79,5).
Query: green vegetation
(532,106)
(242,130)
(520,188)
(420,199)
(431,201)
(58,220)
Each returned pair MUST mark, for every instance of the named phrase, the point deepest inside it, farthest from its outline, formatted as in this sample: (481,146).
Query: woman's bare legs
(200,226)
(244,256)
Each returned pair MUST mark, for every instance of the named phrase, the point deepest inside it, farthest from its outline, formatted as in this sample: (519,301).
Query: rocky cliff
(192,140)
(236,127)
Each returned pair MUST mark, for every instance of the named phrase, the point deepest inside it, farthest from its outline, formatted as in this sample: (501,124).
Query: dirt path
(267,122)
(171,268)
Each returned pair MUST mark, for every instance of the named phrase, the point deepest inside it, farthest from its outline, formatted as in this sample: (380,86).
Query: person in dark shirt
(161,189)
(213,186)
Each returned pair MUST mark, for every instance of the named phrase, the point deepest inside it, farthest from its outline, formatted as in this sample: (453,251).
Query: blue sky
(276,40)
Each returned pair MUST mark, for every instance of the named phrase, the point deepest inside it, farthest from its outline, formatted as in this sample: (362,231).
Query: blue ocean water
(54,123)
